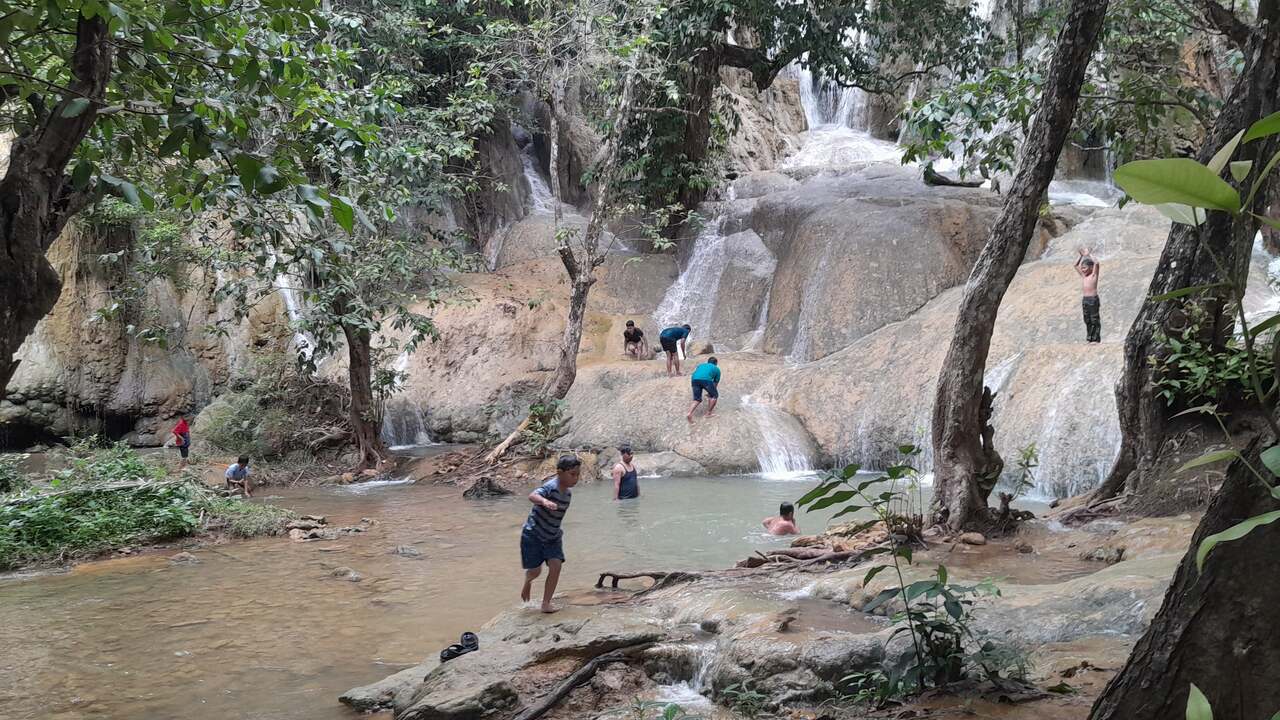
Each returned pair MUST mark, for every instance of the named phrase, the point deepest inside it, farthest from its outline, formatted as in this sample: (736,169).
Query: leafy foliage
(546,423)
(1193,370)
(745,700)
(110,497)
(935,613)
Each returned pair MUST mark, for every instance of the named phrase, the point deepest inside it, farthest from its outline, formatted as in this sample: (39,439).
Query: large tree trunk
(37,198)
(964,461)
(1216,629)
(1188,261)
(365,415)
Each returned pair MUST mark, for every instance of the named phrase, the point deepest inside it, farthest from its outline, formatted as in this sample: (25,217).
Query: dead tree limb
(579,677)
(656,576)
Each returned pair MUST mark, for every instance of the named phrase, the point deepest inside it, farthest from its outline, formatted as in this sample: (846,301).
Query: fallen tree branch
(579,677)
(656,576)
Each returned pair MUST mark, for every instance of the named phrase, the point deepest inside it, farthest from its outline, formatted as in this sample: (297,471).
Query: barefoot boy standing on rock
(1089,270)
(541,540)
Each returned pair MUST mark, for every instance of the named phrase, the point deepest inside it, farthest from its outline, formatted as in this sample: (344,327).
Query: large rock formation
(125,368)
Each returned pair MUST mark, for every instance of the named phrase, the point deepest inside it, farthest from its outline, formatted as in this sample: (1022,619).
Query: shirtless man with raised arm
(1089,269)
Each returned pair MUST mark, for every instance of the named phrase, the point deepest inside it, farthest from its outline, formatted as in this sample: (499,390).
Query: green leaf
(1182,214)
(1221,157)
(75,107)
(173,143)
(884,597)
(1269,125)
(1177,180)
(1240,169)
(942,574)
(1210,458)
(1181,292)
(1207,408)
(832,499)
(1264,326)
(82,174)
(866,579)
(343,213)
(1271,458)
(1269,221)
(918,588)
(814,494)
(1198,705)
(1235,532)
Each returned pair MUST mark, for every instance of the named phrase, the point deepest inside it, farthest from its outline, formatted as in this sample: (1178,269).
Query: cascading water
(688,693)
(838,123)
(782,452)
(541,201)
(404,424)
(691,298)
(293,308)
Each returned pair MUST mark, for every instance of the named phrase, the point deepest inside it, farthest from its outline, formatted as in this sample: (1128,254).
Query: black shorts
(700,385)
(668,344)
(183,450)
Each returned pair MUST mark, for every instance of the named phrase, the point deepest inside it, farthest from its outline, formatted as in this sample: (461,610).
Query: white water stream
(691,298)
(783,451)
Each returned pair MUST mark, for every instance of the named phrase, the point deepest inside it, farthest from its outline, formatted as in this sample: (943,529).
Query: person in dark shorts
(542,540)
(237,476)
(625,483)
(1089,270)
(182,439)
(633,341)
(705,379)
(672,340)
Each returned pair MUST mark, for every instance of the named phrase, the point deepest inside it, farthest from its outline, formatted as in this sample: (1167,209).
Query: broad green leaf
(817,492)
(866,579)
(1271,458)
(173,143)
(247,167)
(75,107)
(1224,154)
(918,588)
(884,597)
(1210,458)
(1240,169)
(1269,125)
(343,213)
(832,499)
(1235,532)
(1265,325)
(1182,214)
(1207,408)
(942,574)
(81,175)
(1177,180)
(1181,292)
(848,510)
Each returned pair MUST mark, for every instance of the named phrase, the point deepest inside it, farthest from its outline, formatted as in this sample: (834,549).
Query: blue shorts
(534,552)
(700,385)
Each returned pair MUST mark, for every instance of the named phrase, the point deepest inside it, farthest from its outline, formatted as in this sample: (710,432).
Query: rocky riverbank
(793,635)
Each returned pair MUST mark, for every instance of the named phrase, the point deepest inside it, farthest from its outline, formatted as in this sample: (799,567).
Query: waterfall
(293,308)
(688,693)
(691,298)
(827,104)
(404,424)
(756,341)
(782,452)
(541,201)
(1067,466)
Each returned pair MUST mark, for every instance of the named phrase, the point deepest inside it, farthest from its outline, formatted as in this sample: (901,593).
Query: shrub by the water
(108,498)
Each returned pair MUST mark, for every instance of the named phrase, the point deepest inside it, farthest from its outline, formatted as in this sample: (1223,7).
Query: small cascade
(691,298)
(688,693)
(838,125)
(1067,466)
(293,308)
(756,341)
(541,201)
(782,453)
(404,425)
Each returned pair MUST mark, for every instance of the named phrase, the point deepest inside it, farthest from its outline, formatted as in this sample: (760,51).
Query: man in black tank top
(625,484)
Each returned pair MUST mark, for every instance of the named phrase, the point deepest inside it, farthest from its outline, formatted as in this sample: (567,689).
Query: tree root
(656,576)
(579,677)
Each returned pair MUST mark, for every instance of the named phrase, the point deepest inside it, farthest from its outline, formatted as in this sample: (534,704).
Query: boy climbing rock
(541,540)
(706,378)
(1089,270)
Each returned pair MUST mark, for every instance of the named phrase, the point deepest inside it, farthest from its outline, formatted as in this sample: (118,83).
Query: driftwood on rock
(656,576)
(579,677)
(933,177)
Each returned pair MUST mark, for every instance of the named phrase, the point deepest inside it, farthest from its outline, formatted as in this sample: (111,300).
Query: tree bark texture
(961,459)
(1216,629)
(37,198)
(1188,261)
(365,415)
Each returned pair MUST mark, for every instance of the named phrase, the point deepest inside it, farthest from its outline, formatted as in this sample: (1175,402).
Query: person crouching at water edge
(705,379)
(672,340)
(541,540)
(784,523)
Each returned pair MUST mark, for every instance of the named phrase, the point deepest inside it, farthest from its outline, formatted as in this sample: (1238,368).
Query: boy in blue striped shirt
(541,540)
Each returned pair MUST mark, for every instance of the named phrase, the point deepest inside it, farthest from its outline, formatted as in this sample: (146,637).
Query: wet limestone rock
(973,538)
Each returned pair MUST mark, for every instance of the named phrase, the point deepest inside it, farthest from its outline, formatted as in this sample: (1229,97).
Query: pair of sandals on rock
(470,643)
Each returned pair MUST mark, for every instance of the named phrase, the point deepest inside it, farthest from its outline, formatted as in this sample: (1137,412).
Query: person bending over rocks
(182,439)
(633,341)
(541,540)
(238,476)
(625,484)
(1089,270)
(784,523)
(672,340)
(705,379)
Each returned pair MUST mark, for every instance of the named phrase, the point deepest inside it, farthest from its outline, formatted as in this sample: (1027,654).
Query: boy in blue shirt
(705,378)
(541,540)
(669,339)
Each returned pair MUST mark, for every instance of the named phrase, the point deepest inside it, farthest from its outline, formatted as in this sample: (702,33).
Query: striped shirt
(544,524)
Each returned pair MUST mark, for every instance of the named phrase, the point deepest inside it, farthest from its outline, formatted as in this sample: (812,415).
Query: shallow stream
(260,629)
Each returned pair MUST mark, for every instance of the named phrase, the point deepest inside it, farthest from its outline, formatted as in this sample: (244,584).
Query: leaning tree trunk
(1188,261)
(365,415)
(965,464)
(1216,629)
(37,198)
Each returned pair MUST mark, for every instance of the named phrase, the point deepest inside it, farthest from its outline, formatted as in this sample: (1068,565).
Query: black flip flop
(470,641)
(452,652)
